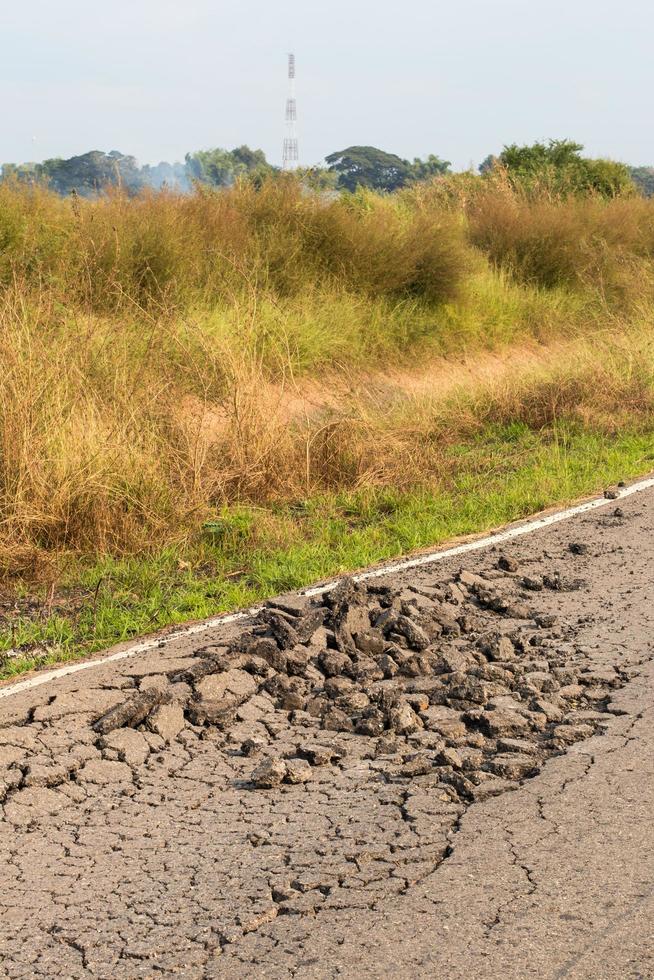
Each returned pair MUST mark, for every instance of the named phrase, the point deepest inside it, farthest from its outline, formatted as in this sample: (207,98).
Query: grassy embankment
(209,399)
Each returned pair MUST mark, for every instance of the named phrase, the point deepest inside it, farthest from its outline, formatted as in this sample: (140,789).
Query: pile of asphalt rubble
(465,682)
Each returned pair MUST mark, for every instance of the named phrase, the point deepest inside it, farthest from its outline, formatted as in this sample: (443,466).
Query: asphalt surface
(459,813)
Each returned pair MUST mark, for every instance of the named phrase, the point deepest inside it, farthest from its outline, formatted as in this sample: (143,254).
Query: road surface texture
(443,773)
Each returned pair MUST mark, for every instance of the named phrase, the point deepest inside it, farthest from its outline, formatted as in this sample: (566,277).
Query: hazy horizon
(168,78)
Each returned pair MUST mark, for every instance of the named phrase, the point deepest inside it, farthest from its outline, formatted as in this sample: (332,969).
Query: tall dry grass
(106,447)
(582,243)
(549,241)
(166,251)
(164,355)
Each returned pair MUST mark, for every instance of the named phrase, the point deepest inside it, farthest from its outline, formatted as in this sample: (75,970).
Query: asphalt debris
(463,683)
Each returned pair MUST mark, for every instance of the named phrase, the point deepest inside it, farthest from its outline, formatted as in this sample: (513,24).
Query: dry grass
(582,243)
(171,354)
(107,448)
(165,251)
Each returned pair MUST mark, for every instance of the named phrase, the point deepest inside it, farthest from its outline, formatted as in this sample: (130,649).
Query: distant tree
(256,166)
(91,173)
(318,178)
(643,178)
(250,159)
(172,175)
(488,164)
(211,167)
(431,166)
(559,165)
(367,166)
(23,172)
(221,168)
(128,173)
(537,156)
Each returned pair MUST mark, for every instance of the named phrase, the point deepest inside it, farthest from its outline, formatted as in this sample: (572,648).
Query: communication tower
(290,154)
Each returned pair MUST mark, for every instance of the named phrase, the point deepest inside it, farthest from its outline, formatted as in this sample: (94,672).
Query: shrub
(575,243)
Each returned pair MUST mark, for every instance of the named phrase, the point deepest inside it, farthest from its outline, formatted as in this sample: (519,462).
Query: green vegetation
(559,167)
(221,168)
(643,178)
(556,168)
(91,173)
(366,166)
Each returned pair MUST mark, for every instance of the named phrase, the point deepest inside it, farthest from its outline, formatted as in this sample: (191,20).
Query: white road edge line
(461,549)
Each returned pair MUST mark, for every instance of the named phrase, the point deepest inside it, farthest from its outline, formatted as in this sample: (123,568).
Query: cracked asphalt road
(145,850)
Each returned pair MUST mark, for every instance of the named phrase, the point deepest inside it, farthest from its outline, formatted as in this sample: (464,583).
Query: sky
(157,78)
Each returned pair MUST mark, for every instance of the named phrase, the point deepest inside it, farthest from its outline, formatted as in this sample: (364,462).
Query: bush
(557,167)
(574,243)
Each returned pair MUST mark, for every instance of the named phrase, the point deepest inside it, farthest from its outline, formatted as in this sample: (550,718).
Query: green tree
(643,178)
(91,173)
(214,167)
(538,156)
(431,166)
(221,168)
(23,172)
(559,166)
(367,166)
(488,164)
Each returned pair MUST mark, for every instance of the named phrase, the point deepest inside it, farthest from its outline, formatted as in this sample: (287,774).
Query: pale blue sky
(159,77)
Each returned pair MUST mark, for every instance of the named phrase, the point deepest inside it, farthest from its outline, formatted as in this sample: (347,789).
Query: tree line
(558,164)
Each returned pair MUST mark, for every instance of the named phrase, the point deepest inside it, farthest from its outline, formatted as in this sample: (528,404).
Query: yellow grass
(170,354)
